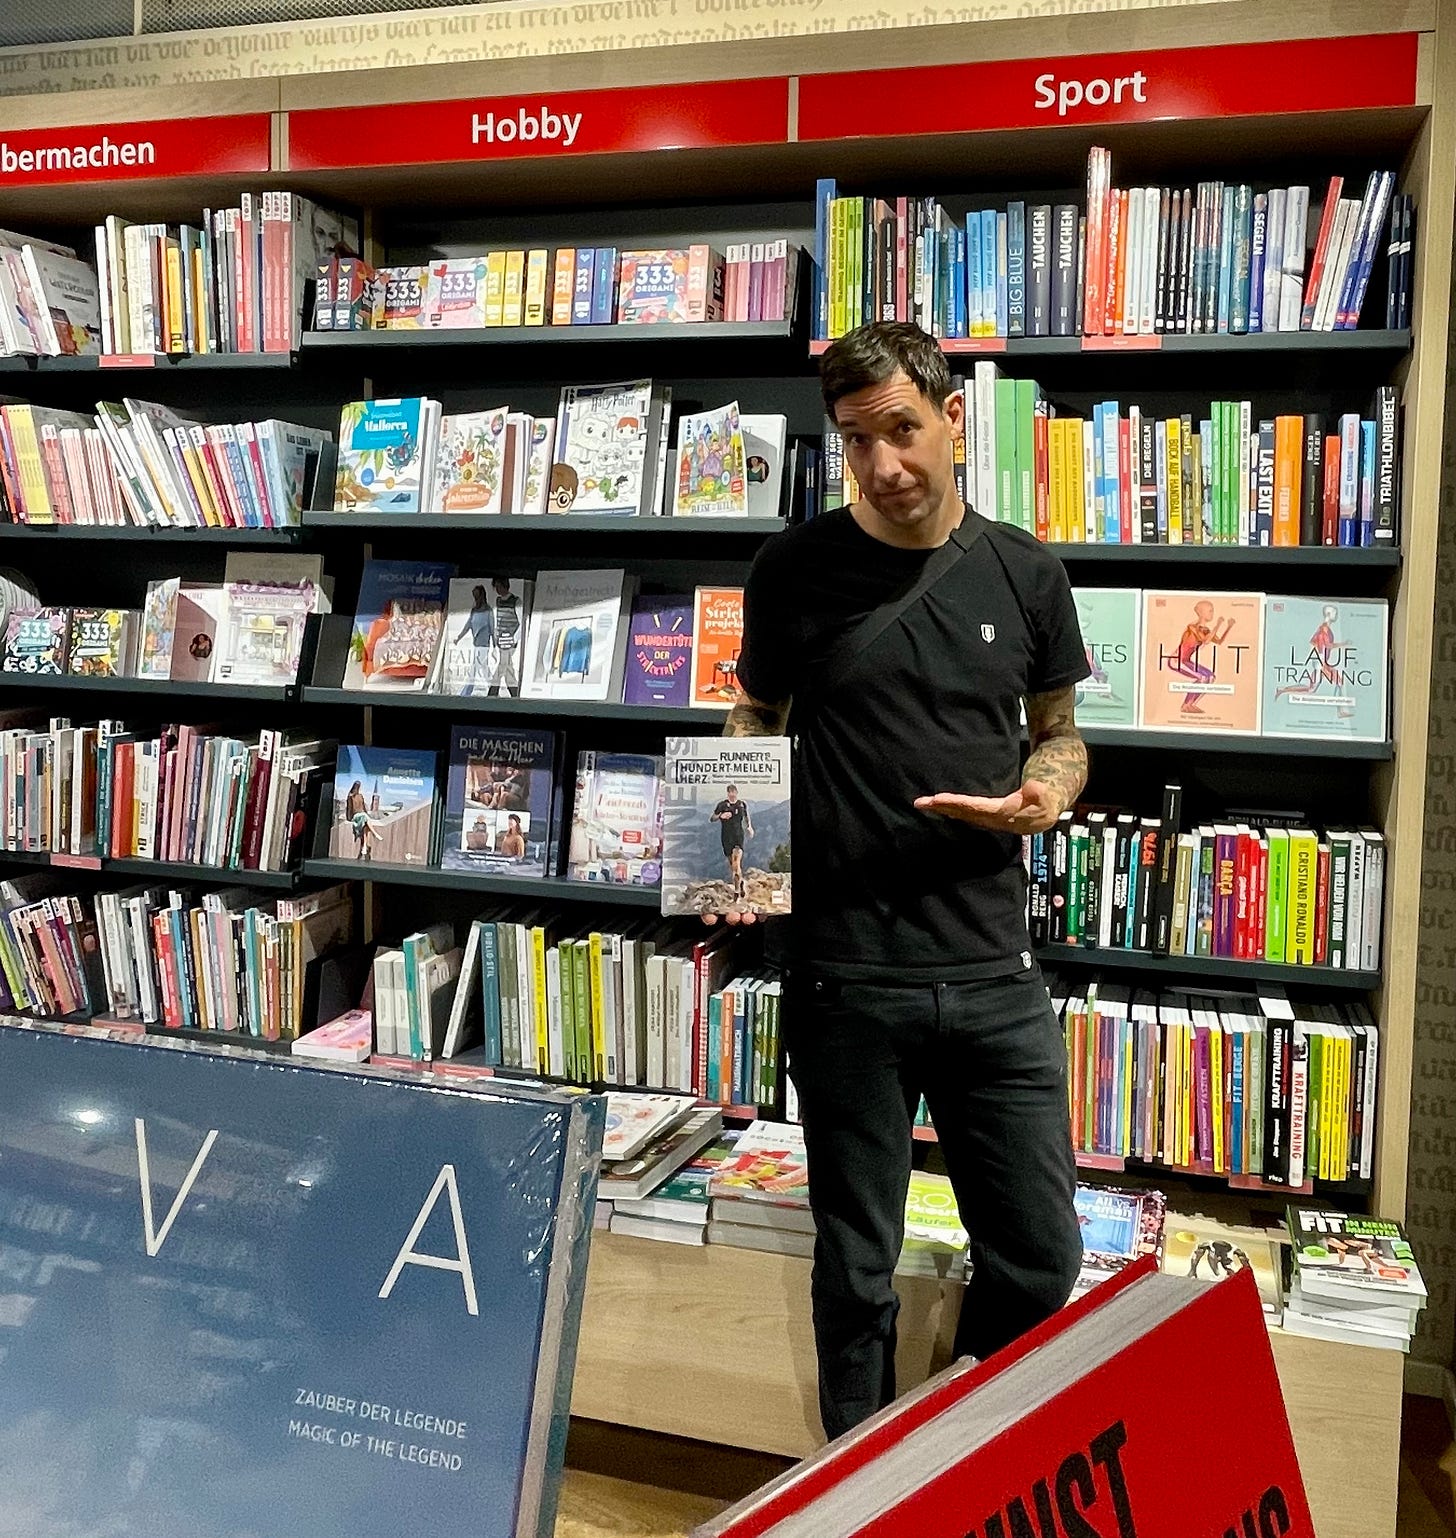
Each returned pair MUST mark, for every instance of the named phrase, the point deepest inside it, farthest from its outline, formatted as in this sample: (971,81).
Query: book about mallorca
(1109,618)
(725,843)
(1202,656)
(386,453)
(1326,666)
(498,800)
(616,819)
(397,626)
(384,805)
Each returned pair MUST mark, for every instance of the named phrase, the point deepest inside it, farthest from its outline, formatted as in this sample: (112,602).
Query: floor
(692,1483)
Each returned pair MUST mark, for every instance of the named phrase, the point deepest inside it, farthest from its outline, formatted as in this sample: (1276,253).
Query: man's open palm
(1032,809)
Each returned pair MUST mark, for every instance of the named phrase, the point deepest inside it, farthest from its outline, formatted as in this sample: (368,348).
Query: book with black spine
(1065,263)
(1171,824)
(1038,270)
(1386,414)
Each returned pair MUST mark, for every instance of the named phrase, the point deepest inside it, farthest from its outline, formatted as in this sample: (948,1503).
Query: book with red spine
(1112,259)
(1330,505)
(1321,253)
(257,802)
(166,959)
(1041,488)
(1261,897)
(1243,841)
(902,224)
(121,801)
(1124,480)
(1322,904)
(1088,1404)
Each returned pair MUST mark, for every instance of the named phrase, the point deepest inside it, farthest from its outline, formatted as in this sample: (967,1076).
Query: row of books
(1139,261)
(247,630)
(1286,894)
(633,820)
(183,795)
(49,962)
(1221,1084)
(135,463)
(1225,478)
(568,286)
(224,961)
(1206,660)
(559,635)
(607,450)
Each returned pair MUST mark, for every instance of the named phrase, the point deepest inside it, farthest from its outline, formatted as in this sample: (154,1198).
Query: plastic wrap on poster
(245,1298)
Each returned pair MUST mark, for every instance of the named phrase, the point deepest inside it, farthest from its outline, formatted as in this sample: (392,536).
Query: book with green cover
(1276,905)
(1008,482)
(1110,619)
(1027,395)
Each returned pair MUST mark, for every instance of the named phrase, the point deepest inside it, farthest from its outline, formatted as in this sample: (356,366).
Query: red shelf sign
(707,115)
(1231,80)
(114,152)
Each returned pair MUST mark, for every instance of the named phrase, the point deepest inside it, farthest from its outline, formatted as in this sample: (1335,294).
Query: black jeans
(990,1060)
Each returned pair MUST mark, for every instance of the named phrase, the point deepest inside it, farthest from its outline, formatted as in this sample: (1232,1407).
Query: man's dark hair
(869,355)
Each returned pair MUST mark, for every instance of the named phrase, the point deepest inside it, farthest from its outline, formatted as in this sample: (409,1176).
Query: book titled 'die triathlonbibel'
(1078,1428)
(725,832)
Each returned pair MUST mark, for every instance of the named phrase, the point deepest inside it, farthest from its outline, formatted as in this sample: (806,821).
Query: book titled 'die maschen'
(1076,1429)
(725,831)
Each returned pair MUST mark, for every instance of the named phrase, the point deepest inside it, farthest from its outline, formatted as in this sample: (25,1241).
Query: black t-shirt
(732,825)
(882,890)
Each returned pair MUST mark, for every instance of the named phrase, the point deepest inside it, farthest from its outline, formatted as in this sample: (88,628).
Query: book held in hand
(726,826)
(384,805)
(498,800)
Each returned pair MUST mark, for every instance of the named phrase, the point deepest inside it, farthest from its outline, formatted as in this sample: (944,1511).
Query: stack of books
(664,1193)
(1354,1280)
(936,1242)
(759,1197)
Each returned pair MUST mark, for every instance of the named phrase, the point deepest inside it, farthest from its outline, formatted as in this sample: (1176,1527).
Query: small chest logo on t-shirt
(988,633)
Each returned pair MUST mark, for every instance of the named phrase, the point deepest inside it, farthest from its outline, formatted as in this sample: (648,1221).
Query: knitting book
(384,805)
(726,826)
(1202,654)
(498,800)
(1109,618)
(1326,667)
(397,627)
(485,635)
(616,819)
(576,640)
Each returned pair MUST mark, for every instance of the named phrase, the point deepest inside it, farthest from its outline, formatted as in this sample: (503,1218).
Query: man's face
(899,447)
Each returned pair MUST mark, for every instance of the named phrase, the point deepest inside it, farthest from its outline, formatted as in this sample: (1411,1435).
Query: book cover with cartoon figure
(1110,618)
(1202,654)
(1326,667)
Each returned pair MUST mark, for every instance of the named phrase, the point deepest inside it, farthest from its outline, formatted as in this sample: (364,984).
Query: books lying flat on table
(635,1121)
(632,1178)
(348,1038)
(1354,1279)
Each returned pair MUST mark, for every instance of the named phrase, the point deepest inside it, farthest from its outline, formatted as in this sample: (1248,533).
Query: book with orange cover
(717,641)
(1288,470)
(1202,655)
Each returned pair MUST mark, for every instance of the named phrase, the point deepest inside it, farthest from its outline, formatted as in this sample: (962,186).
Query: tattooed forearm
(753,718)
(1058,755)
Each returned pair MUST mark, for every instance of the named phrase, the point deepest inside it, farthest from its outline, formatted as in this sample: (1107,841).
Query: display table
(715,1343)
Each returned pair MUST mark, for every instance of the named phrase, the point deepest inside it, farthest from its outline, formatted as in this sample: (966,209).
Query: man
(908,968)
(735,825)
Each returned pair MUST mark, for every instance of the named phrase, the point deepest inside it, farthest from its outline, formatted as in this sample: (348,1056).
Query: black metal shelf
(1212,968)
(506,336)
(1325,557)
(1371,341)
(163,870)
(147,363)
(683,718)
(242,1040)
(1204,741)
(276,694)
(129,532)
(532,524)
(470,881)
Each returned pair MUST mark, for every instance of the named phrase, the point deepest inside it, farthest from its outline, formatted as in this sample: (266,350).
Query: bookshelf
(651,1313)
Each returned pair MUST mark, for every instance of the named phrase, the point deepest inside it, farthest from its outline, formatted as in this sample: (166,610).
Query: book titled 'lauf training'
(726,826)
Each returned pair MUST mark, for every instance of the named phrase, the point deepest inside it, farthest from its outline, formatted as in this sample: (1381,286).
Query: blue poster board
(244,1298)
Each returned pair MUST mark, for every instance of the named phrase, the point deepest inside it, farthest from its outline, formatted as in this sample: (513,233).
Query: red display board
(114,152)
(1330,74)
(708,115)
(1086,1426)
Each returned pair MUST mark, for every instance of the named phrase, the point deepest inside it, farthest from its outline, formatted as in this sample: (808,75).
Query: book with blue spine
(1367,483)
(1002,275)
(1257,242)
(604,285)
(824,191)
(973,274)
(1225,257)
(498,800)
(583,284)
(1326,669)
(1016,269)
(992,279)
